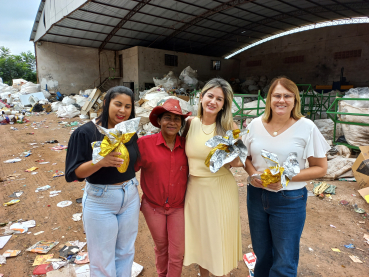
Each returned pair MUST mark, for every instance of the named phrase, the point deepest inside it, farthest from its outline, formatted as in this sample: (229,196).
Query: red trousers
(167,231)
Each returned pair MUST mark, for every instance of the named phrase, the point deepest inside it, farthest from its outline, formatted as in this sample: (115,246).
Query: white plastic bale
(69,111)
(148,127)
(169,81)
(326,128)
(30,87)
(355,134)
(55,106)
(46,94)
(80,100)
(358,93)
(189,77)
(144,114)
(68,100)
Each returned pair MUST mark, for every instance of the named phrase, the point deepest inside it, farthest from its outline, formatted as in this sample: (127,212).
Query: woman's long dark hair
(103,118)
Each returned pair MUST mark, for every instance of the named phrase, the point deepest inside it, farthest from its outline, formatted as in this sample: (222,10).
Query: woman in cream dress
(212,218)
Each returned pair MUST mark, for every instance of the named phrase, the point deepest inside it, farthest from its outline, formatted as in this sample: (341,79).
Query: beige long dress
(212,218)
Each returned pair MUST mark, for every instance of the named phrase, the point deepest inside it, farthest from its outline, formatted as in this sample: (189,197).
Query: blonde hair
(224,119)
(290,86)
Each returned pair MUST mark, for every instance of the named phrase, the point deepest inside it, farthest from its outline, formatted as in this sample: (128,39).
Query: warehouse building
(80,44)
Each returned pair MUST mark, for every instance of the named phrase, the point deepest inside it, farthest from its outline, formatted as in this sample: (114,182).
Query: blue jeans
(276,221)
(110,219)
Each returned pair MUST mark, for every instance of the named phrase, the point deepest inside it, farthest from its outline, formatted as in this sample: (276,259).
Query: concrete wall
(130,66)
(318,47)
(151,63)
(69,69)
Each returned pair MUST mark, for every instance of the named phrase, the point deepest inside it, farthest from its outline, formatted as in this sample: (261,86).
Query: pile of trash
(149,99)
(356,135)
(253,84)
(187,81)
(24,98)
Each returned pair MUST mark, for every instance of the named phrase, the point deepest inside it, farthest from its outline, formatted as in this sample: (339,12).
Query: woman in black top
(110,202)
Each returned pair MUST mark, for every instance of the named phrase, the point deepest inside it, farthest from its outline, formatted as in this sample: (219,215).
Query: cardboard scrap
(4,240)
(42,259)
(365,194)
(82,258)
(42,246)
(11,253)
(355,259)
(360,168)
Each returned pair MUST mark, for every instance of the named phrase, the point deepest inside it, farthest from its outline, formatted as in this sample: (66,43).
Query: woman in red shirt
(164,172)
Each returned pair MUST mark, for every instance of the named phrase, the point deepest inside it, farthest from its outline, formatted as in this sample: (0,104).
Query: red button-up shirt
(164,172)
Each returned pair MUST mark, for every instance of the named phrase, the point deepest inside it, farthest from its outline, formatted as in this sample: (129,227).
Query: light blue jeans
(110,219)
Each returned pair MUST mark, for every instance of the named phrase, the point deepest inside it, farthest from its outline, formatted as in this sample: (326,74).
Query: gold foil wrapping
(114,141)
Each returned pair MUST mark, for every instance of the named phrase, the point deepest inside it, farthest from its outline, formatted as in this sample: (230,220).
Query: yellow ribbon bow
(108,147)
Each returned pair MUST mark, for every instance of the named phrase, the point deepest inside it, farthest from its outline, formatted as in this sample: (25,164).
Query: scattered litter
(2,260)
(19,228)
(44,162)
(58,148)
(12,161)
(66,251)
(362,222)
(4,240)
(82,258)
(42,188)
(38,233)
(11,253)
(323,187)
(355,259)
(79,200)
(31,169)
(63,204)
(349,179)
(136,269)
(42,259)
(310,193)
(77,217)
(43,269)
(358,210)
(250,261)
(332,226)
(16,194)
(240,185)
(42,246)
(336,250)
(12,202)
(311,249)
(344,202)
(54,193)
(58,174)
(366,237)
(365,194)
(350,246)
(52,141)
(34,173)
(249,246)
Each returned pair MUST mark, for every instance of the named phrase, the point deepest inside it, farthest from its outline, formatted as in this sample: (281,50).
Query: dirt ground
(317,234)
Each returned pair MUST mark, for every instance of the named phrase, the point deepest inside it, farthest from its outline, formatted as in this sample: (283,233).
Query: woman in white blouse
(276,214)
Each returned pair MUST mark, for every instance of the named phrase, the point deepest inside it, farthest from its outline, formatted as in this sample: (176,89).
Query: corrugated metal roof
(37,19)
(196,26)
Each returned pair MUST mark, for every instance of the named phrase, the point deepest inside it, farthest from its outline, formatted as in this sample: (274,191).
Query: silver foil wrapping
(235,147)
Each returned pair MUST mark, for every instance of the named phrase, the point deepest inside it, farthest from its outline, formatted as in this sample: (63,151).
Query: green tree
(21,66)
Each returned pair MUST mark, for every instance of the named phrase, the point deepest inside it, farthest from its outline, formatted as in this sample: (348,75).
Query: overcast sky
(16,21)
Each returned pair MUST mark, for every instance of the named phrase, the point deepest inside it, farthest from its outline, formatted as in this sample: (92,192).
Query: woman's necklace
(204,131)
(275,133)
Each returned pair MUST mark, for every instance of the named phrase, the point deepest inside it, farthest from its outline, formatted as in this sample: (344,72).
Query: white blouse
(303,137)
